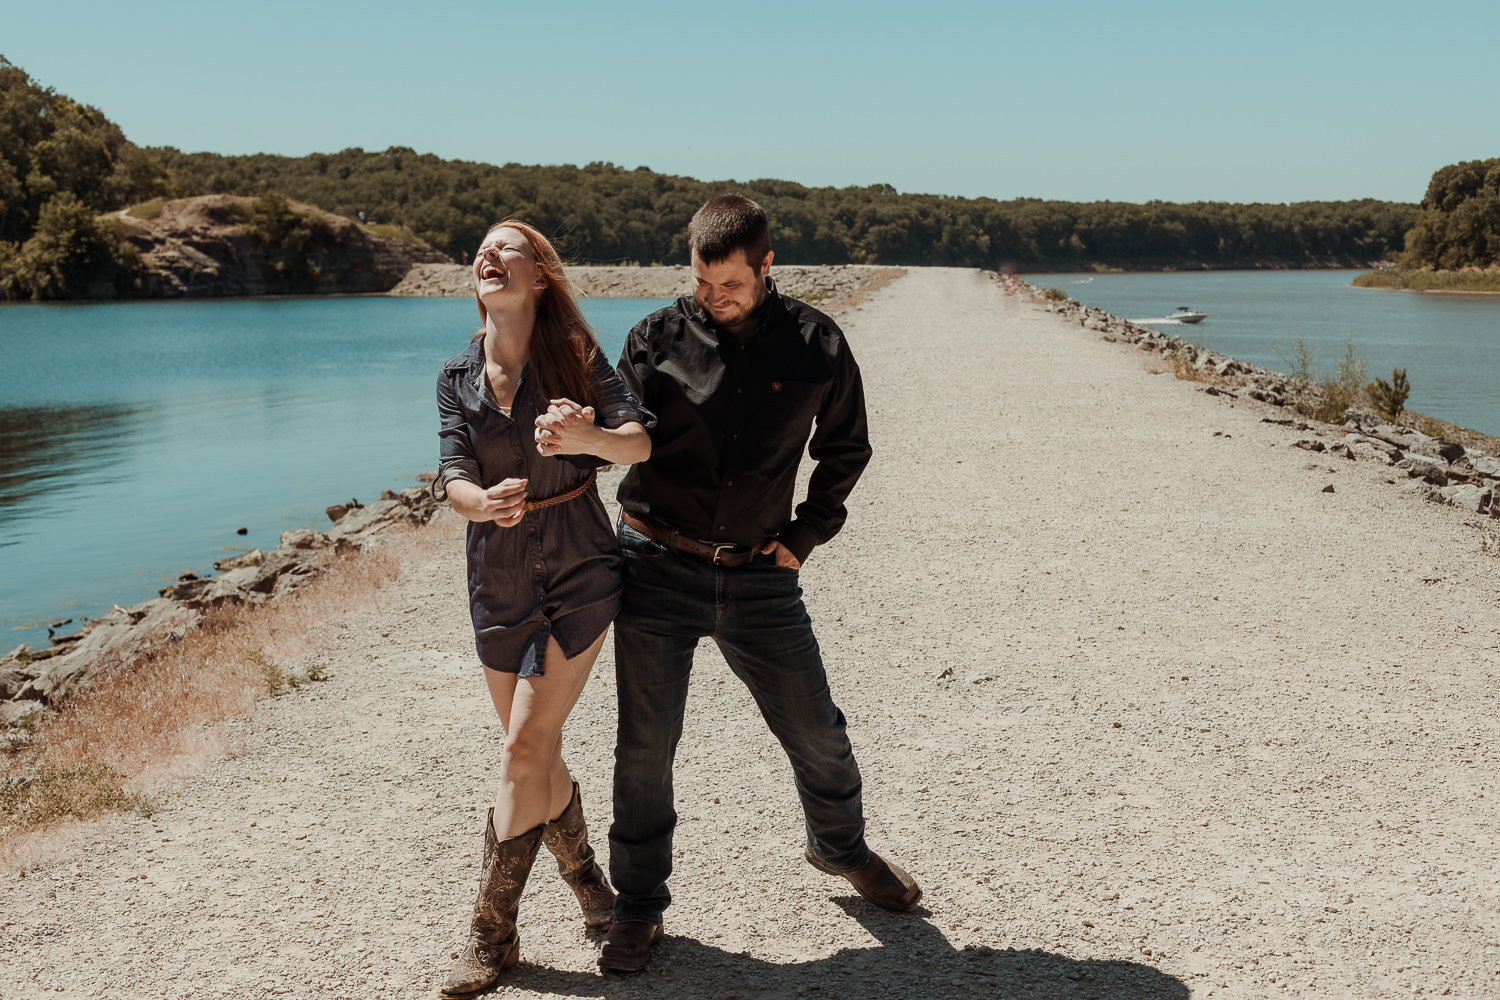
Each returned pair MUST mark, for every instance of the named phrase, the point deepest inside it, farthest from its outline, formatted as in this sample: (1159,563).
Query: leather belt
(720,555)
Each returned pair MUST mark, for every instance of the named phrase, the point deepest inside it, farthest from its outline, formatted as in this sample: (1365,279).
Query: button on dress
(557,572)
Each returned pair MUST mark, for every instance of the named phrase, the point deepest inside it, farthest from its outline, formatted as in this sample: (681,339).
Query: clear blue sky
(1253,101)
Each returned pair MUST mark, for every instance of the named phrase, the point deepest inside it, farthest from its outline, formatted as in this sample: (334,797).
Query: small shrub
(50,794)
(147,209)
(1055,295)
(1343,388)
(1300,362)
(273,676)
(1390,397)
(1489,544)
(396,233)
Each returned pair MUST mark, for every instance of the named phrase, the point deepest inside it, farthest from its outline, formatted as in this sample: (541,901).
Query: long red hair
(563,345)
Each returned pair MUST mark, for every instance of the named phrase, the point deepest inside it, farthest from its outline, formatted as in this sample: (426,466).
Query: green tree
(1459,224)
(71,254)
(1390,397)
(51,144)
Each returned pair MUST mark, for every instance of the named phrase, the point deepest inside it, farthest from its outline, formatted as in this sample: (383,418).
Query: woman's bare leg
(533,710)
(562,783)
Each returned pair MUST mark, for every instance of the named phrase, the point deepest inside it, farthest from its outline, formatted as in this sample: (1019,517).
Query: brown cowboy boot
(494,944)
(882,882)
(567,838)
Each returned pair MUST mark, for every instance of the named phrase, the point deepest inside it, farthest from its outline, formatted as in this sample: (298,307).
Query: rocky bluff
(216,245)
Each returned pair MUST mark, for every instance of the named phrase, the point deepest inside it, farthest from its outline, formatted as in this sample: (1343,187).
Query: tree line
(63,163)
(603,213)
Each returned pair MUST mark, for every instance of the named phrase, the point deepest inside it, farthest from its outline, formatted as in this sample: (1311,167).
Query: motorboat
(1187,314)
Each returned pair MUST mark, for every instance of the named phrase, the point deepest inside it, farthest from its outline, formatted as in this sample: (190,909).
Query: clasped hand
(566,429)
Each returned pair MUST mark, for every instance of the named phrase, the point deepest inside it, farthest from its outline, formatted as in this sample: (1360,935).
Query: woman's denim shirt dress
(557,572)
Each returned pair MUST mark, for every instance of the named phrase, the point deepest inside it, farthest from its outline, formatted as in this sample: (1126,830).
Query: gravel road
(1147,712)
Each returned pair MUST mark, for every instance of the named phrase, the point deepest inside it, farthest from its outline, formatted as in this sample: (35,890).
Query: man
(737,375)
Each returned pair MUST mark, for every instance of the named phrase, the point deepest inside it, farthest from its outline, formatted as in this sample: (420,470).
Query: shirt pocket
(794,402)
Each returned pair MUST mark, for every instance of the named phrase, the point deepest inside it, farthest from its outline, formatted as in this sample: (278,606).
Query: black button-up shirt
(733,415)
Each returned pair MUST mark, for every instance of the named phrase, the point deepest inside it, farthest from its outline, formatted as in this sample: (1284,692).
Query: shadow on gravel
(913,960)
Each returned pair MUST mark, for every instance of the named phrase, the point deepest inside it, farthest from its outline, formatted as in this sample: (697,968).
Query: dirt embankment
(200,247)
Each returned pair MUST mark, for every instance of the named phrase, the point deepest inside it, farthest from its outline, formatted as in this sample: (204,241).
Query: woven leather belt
(573,494)
(725,555)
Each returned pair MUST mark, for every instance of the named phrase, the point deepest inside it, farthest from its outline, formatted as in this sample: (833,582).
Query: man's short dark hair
(726,224)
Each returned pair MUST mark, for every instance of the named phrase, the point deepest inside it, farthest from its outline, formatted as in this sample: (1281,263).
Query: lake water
(1448,344)
(136,437)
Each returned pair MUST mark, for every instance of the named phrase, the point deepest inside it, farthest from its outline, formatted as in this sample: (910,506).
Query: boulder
(1307,444)
(1469,497)
(13,710)
(284,570)
(304,538)
(1367,450)
(212,592)
(118,637)
(252,558)
(1484,465)
(1424,468)
(360,524)
(1448,451)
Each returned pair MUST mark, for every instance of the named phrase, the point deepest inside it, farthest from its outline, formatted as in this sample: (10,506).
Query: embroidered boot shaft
(568,839)
(494,943)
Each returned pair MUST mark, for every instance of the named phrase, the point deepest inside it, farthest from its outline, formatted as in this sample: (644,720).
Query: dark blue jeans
(755,614)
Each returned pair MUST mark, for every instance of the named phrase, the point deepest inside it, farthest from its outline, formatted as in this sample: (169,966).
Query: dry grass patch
(139,724)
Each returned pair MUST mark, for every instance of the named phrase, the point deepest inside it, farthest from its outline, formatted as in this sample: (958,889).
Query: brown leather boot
(567,838)
(879,881)
(628,947)
(494,944)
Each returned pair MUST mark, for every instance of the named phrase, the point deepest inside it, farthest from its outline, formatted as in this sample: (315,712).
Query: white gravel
(1146,712)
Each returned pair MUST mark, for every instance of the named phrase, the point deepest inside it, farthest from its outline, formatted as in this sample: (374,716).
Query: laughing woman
(528,412)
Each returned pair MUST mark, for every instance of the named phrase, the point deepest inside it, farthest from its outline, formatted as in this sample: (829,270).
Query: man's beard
(739,313)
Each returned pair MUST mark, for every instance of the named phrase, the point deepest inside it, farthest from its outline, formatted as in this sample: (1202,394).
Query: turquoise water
(136,437)
(1448,344)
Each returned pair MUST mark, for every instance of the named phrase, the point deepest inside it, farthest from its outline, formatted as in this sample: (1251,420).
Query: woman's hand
(567,429)
(504,503)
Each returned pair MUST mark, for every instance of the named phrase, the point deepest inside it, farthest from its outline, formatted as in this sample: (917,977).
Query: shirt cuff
(455,468)
(799,539)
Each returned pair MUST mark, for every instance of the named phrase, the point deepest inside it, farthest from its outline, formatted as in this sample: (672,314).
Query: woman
(528,412)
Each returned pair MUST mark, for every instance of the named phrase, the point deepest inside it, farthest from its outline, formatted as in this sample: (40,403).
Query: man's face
(731,290)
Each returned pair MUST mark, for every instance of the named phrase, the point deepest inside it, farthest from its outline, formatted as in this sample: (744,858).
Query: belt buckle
(718,549)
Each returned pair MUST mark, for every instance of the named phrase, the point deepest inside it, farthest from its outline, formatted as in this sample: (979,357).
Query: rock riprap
(35,679)
(1453,474)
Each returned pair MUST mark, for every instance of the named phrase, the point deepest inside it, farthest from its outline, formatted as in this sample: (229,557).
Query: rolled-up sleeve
(456,459)
(614,403)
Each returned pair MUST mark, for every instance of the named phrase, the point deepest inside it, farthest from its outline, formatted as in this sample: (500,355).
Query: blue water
(136,437)
(1448,344)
